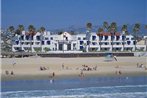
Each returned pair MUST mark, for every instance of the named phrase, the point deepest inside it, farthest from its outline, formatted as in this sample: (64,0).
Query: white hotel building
(69,43)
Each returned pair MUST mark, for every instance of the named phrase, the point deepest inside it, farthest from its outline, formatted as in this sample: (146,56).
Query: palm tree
(11,29)
(105,26)
(99,34)
(89,27)
(31,29)
(42,29)
(136,30)
(124,30)
(113,29)
(19,32)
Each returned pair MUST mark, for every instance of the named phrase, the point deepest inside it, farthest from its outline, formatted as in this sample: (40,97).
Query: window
(81,47)
(38,37)
(93,37)
(84,38)
(101,37)
(127,38)
(134,42)
(42,42)
(81,42)
(51,38)
(123,37)
(132,38)
(128,42)
(117,37)
(66,38)
(106,37)
(46,38)
(79,38)
(22,37)
(112,37)
(88,42)
(48,42)
(27,37)
(17,42)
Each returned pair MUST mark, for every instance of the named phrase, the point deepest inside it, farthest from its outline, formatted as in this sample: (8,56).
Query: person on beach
(63,66)
(12,73)
(53,74)
(7,72)
(81,74)
(115,58)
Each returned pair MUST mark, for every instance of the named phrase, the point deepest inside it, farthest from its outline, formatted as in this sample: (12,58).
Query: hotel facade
(66,42)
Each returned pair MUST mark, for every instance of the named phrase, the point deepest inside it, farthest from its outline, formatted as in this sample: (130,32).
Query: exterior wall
(66,42)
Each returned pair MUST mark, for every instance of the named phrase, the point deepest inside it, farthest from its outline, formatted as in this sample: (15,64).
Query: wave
(112,95)
(92,92)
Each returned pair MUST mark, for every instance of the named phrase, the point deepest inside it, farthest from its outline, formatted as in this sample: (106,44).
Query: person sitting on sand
(7,72)
(12,73)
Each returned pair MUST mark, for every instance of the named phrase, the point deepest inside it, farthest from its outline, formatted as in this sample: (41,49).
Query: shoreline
(66,76)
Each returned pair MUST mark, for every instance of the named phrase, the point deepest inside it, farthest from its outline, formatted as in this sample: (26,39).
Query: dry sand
(29,68)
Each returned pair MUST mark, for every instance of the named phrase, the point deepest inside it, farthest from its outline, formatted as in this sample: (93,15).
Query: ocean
(75,87)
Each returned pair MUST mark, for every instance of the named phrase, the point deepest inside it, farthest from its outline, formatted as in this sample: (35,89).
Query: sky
(55,14)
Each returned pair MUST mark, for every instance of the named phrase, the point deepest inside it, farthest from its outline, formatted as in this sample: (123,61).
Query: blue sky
(54,14)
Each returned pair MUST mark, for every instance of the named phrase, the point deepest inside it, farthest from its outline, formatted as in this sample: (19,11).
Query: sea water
(87,87)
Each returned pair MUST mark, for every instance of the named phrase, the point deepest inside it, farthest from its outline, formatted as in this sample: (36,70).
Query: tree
(113,29)
(12,30)
(89,26)
(136,30)
(100,30)
(42,29)
(105,26)
(124,30)
(31,30)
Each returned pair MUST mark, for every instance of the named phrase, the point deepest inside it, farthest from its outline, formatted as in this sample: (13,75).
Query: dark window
(51,38)
(81,47)
(27,37)
(132,38)
(117,37)
(17,42)
(46,38)
(128,42)
(38,37)
(127,38)
(42,42)
(100,37)
(22,37)
(81,42)
(79,38)
(84,38)
(134,42)
(106,37)
(68,46)
(60,46)
(88,42)
(93,37)
(67,38)
(123,37)
(117,43)
(93,43)
(105,43)
(112,37)
(48,42)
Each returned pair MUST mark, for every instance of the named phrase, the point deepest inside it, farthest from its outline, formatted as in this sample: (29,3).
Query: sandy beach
(30,68)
